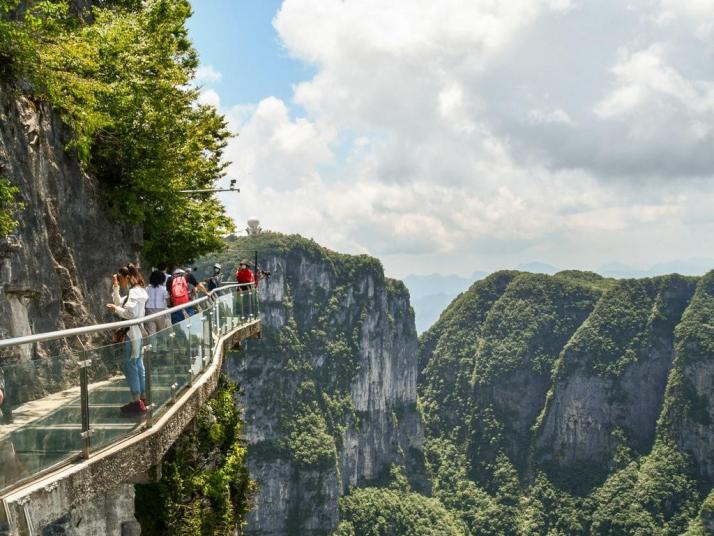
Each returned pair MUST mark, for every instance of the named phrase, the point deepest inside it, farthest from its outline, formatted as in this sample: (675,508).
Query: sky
(467,135)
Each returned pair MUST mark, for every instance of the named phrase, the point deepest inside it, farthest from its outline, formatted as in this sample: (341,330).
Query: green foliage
(529,325)
(627,322)
(481,513)
(9,206)
(687,398)
(446,355)
(205,486)
(656,496)
(547,510)
(703,525)
(389,512)
(120,78)
(308,441)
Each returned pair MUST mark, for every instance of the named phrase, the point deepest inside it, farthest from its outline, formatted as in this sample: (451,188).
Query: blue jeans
(134,371)
(178,316)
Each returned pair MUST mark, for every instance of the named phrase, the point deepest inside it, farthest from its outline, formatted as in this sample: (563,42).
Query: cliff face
(55,269)
(329,394)
(613,373)
(591,391)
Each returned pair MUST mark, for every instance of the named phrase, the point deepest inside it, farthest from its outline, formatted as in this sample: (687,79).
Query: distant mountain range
(430,294)
(684,267)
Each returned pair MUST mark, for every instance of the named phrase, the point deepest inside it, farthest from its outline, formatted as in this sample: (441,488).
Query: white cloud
(507,128)
(207,73)
(644,78)
(551,116)
(209,96)
(699,14)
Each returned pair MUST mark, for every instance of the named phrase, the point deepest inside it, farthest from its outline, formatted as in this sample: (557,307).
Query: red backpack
(179,290)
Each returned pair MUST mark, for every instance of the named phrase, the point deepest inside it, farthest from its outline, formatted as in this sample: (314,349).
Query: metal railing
(63,407)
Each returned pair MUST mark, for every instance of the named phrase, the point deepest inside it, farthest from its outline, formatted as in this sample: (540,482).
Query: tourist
(164,269)
(131,306)
(158,301)
(214,281)
(244,274)
(246,278)
(179,288)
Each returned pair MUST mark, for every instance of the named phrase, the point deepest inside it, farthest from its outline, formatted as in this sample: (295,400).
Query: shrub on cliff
(205,487)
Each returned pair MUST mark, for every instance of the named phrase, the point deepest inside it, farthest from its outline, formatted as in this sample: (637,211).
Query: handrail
(173,359)
(61,334)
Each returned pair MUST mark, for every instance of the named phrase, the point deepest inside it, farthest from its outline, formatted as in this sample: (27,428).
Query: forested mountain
(573,404)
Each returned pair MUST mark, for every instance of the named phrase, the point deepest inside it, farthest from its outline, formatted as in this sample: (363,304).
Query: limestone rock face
(587,407)
(110,513)
(329,394)
(55,270)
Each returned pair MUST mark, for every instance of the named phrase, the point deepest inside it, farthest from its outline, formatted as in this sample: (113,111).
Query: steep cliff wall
(54,269)
(329,394)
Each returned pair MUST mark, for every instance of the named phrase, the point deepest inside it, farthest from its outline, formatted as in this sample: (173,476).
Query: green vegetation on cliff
(572,405)
(317,346)
(9,206)
(330,387)
(395,510)
(205,487)
(120,76)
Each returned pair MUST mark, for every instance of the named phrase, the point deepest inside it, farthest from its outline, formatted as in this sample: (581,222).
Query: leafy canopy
(120,76)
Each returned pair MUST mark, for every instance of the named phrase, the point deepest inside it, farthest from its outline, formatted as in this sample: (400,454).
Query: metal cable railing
(67,406)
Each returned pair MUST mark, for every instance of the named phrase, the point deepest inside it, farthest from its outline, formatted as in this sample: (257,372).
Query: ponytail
(133,274)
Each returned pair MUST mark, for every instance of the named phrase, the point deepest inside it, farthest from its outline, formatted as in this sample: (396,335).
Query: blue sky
(237,38)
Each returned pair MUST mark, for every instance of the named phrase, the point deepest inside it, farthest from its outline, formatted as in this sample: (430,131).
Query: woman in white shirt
(131,306)
(158,301)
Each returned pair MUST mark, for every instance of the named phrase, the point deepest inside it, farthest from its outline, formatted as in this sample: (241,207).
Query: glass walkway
(65,407)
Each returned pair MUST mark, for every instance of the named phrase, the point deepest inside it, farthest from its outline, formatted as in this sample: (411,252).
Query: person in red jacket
(245,274)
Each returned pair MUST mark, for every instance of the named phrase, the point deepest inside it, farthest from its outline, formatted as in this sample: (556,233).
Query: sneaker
(133,408)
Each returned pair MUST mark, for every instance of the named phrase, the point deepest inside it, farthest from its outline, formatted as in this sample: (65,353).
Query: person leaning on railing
(246,277)
(244,274)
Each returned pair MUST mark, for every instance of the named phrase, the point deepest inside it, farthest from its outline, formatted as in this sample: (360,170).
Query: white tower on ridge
(254,227)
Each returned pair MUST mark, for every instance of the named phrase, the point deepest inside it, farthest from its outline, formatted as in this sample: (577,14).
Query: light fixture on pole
(231,188)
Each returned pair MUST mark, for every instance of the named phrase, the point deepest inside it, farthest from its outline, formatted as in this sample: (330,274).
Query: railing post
(189,351)
(7,405)
(173,350)
(204,320)
(86,434)
(239,295)
(250,302)
(210,331)
(148,368)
